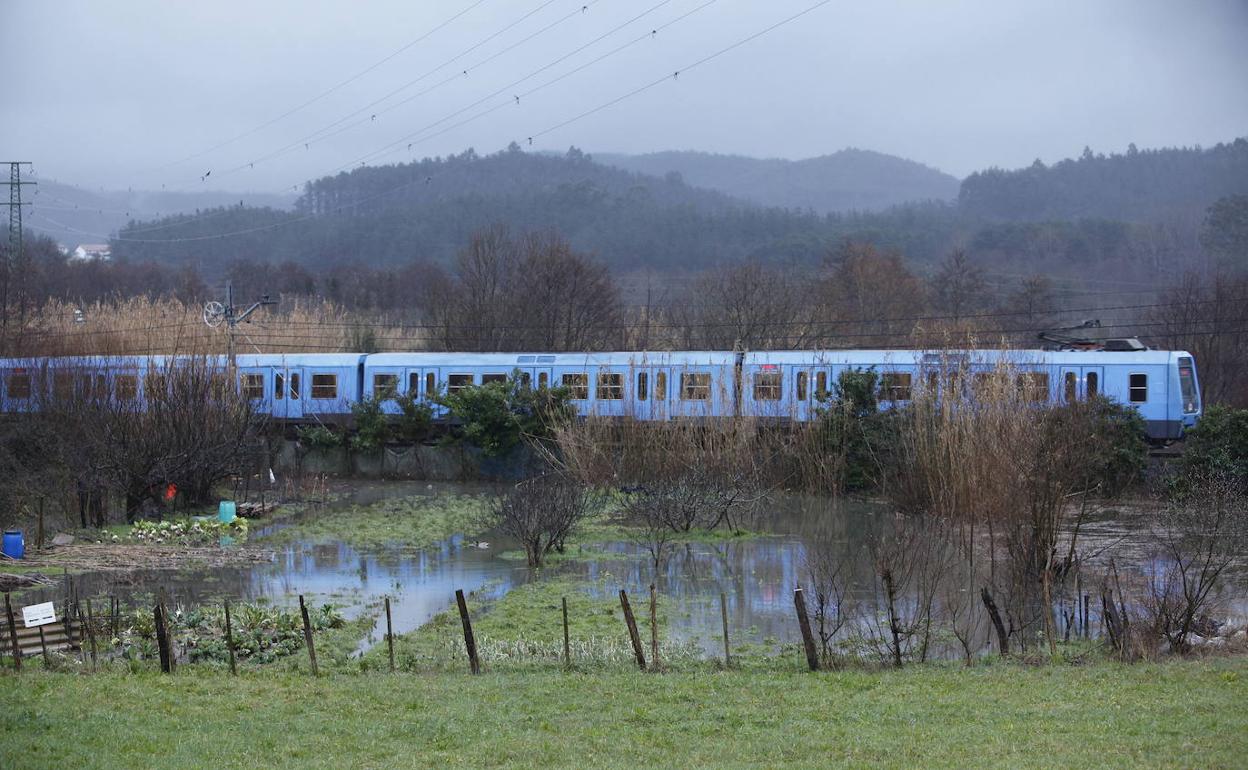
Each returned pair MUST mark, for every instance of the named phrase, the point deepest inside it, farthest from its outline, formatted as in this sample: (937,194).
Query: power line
(319,135)
(330,90)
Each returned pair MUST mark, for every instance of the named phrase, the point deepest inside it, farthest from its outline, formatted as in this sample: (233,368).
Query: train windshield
(1187,384)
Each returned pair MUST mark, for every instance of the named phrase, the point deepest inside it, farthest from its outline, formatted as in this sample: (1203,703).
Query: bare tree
(541,513)
(1204,316)
(1199,537)
(864,294)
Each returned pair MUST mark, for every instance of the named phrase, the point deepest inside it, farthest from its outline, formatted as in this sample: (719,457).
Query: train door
(1078,383)
(288,392)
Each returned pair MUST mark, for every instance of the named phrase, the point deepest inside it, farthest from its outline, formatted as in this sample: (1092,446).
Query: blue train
(782,385)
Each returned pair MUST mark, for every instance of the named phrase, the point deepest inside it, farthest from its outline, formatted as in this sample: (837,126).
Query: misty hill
(390,215)
(848,180)
(428,210)
(1136,186)
(74,215)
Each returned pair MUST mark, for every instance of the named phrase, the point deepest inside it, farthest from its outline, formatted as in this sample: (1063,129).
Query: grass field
(1181,713)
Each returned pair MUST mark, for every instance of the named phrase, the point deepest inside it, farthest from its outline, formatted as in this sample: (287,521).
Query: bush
(852,433)
(1217,445)
(319,437)
(415,422)
(371,428)
(1120,437)
(496,416)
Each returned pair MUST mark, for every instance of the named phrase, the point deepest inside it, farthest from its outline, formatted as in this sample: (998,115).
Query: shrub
(415,420)
(496,416)
(1217,445)
(319,437)
(852,434)
(371,428)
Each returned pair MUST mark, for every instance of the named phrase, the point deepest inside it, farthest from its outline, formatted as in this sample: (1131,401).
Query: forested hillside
(1137,186)
(848,180)
(1098,217)
(74,215)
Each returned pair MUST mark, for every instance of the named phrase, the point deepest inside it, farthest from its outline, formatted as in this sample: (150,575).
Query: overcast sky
(140,93)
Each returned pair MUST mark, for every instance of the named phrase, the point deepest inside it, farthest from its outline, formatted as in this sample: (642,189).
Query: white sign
(39,614)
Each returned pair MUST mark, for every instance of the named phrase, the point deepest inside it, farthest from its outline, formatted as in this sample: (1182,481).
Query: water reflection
(756,575)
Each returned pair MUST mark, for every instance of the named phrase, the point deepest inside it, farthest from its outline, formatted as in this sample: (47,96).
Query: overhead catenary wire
(561,124)
(330,90)
(327,132)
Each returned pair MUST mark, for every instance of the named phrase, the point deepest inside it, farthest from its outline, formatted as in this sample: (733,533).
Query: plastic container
(225,511)
(14,544)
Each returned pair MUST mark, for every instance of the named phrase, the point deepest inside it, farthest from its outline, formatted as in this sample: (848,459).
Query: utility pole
(14,257)
(215,313)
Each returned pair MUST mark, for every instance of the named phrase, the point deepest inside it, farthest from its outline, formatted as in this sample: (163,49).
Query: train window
(324,386)
(126,387)
(1070,387)
(610,386)
(1138,388)
(155,383)
(696,386)
(1091,385)
(895,386)
(526,380)
(253,386)
(1187,386)
(577,385)
(767,386)
(660,386)
(90,387)
(486,379)
(933,382)
(385,386)
(1034,386)
(19,386)
(279,386)
(643,383)
(413,383)
(294,386)
(457,382)
(431,385)
(62,386)
(803,385)
(543,380)
(821,385)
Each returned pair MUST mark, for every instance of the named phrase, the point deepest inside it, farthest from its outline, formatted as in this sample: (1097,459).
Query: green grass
(410,522)
(523,630)
(1179,713)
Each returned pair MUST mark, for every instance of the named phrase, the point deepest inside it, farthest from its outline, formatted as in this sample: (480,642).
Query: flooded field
(355,569)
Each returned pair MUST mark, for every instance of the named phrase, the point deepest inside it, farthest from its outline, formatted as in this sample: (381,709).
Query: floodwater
(757,575)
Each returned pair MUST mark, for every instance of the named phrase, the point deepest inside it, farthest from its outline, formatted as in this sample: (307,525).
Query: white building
(89,251)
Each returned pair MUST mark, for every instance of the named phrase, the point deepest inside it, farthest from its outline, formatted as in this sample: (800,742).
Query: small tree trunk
(1003,639)
(894,626)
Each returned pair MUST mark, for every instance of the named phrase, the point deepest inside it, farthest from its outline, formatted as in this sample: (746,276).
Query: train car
(641,385)
(28,384)
(780,385)
(302,386)
(1162,385)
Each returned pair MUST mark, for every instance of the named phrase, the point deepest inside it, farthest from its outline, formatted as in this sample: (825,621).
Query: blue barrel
(14,545)
(225,511)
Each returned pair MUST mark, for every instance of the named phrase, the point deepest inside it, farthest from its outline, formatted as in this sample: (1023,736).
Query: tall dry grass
(147,326)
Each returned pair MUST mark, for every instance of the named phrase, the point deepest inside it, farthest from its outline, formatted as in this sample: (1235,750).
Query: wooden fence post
(654,629)
(229,639)
(307,634)
(633,636)
(82,631)
(43,647)
(567,648)
(808,639)
(162,638)
(13,645)
(389,635)
(470,642)
(91,635)
(723,612)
